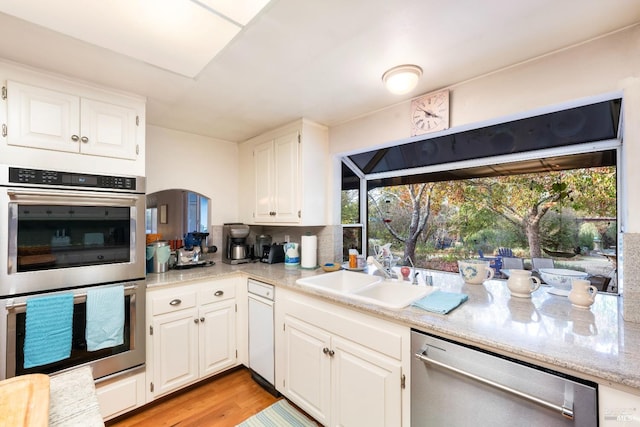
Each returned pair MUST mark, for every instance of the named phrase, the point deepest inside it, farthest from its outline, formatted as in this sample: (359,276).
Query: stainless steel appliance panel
(455,385)
(103,362)
(64,230)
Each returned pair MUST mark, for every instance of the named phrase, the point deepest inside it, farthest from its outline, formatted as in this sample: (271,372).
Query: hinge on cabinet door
(403,381)
(236,308)
(150,330)
(299,138)
(137,149)
(137,120)
(151,387)
(299,214)
(4,130)
(4,92)
(284,326)
(236,354)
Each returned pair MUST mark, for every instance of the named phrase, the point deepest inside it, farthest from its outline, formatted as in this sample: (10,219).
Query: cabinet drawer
(217,291)
(171,302)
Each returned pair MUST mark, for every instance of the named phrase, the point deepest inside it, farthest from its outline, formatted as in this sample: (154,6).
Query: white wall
(606,65)
(187,161)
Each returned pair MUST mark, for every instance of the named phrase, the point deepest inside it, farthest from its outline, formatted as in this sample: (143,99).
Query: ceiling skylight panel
(181,36)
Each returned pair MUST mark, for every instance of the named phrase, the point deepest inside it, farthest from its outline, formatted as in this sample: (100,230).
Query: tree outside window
(568,215)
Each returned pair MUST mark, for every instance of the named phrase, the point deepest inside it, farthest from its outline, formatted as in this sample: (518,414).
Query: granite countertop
(595,344)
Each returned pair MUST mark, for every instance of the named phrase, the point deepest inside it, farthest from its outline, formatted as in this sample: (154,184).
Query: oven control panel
(70,179)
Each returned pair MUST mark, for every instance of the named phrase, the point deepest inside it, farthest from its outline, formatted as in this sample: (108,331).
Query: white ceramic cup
(582,293)
(521,283)
(475,271)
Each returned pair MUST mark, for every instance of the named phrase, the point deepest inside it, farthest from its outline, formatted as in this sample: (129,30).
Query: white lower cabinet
(121,394)
(342,367)
(192,334)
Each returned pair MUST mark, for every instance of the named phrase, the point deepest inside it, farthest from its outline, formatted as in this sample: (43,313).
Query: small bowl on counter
(331,266)
(560,279)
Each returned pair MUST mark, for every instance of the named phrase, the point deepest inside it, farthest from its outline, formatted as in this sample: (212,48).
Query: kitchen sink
(392,294)
(340,282)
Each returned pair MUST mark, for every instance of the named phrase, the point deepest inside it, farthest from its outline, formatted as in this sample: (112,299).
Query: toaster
(273,254)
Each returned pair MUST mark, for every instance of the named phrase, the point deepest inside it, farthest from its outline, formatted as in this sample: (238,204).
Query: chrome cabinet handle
(84,139)
(175,302)
(272,213)
(566,410)
(331,353)
(196,320)
(218,293)
(328,352)
(75,138)
(202,320)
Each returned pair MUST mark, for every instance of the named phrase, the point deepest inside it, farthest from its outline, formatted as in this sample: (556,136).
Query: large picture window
(555,199)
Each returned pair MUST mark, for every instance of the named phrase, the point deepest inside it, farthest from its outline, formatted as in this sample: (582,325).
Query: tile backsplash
(329,238)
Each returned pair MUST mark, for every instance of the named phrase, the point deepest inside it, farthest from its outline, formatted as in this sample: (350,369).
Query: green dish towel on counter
(441,302)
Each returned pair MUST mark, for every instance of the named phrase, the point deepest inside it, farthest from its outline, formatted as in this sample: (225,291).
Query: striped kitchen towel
(441,302)
(105,317)
(48,329)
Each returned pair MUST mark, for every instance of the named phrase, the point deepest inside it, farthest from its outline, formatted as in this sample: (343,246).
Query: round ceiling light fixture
(402,79)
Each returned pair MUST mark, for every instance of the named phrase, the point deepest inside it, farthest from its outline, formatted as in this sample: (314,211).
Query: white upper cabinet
(284,176)
(276,179)
(53,120)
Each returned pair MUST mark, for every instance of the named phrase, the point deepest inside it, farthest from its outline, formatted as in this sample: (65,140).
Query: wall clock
(430,113)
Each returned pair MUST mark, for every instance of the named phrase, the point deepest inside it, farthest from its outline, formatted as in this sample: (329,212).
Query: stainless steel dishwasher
(456,385)
(261,334)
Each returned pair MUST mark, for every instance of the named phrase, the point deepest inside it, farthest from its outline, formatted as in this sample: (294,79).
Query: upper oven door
(54,239)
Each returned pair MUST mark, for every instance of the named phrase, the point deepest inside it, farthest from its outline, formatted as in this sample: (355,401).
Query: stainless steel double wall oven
(71,232)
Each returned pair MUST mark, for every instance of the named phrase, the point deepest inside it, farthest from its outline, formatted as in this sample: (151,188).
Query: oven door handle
(21,307)
(566,410)
(73,198)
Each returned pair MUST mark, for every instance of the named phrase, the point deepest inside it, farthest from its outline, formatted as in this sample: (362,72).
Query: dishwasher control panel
(261,289)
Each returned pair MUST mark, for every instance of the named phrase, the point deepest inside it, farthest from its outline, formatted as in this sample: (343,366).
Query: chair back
(538,263)
(505,252)
(512,263)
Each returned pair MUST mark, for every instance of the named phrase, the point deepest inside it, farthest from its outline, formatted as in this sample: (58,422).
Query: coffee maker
(234,238)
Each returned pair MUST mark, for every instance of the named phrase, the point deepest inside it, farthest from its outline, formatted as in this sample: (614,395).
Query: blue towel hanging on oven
(105,317)
(48,329)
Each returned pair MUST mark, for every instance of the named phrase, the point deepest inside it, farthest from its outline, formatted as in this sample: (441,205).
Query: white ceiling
(323,59)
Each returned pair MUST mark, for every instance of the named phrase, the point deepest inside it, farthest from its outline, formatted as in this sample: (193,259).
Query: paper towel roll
(309,249)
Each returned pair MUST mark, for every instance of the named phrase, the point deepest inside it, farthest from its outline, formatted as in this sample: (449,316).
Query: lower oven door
(104,362)
(454,385)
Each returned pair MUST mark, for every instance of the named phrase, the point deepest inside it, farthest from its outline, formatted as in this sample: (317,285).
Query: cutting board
(24,401)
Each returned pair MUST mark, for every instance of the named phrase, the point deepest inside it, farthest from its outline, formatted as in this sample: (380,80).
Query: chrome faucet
(414,273)
(387,274)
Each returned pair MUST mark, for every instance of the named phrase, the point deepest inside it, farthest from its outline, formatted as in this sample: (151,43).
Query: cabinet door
(264,210)
(366,386)
(307,368)
(108,130)
(175,350)
(286,180)
(217,337)
(42,118)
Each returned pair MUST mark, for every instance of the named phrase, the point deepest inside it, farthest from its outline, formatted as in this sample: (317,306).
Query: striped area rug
(280,414)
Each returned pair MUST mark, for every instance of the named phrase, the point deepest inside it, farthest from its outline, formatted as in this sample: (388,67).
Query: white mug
(475,271)
(522,284)
(582,293)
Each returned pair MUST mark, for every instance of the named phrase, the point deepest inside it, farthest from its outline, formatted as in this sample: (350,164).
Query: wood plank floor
(225,401)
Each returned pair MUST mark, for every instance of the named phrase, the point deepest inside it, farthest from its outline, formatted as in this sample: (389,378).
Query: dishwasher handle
(566,410)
